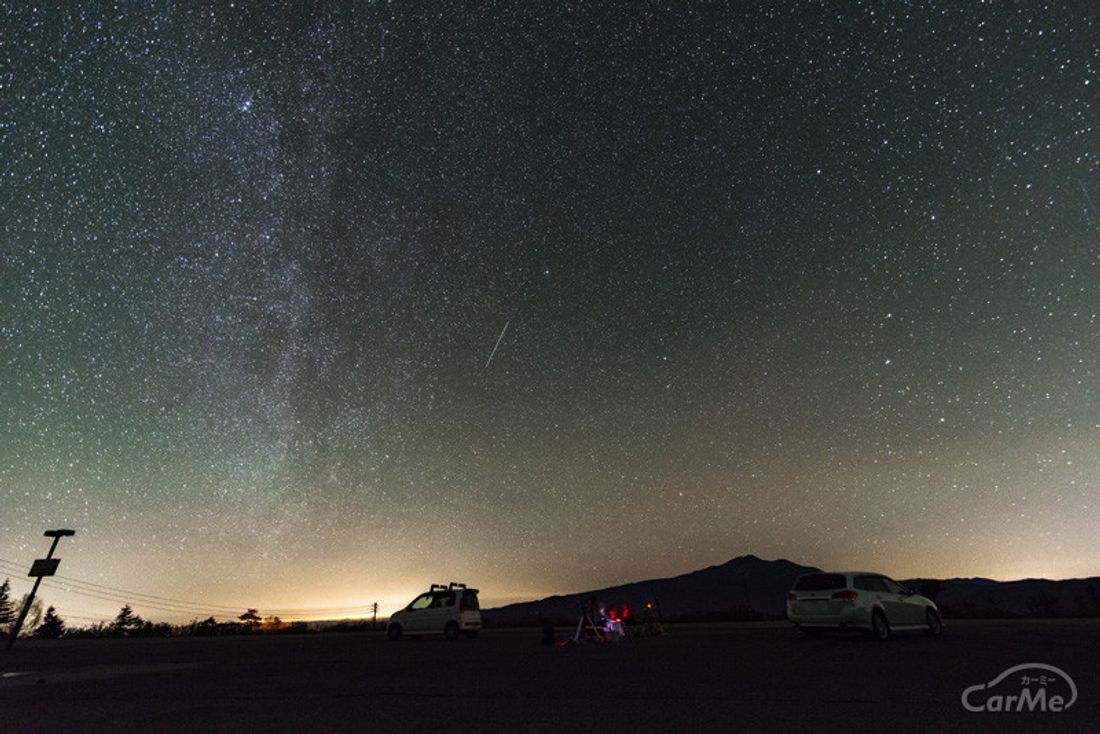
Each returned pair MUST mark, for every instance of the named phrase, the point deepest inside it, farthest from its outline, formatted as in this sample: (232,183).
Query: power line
(138,602)
(169,604)
(196,611)
(194,608)
(101,597)
(69,588)
(86,619)
(128,592)
(91,594)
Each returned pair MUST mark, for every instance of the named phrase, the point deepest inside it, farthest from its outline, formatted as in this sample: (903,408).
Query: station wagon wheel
(880,627)
(394,632)
(935,624)
(451,630)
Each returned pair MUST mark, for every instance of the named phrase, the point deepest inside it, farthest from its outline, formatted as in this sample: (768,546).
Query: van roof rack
(448,587)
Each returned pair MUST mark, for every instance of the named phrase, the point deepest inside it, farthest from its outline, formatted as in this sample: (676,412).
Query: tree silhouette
(7,611)
(251,617)
(206,627)
(126,620)
(52,626)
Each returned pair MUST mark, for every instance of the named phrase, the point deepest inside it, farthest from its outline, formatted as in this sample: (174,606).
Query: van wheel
(471,634)
(880,627)
(451,631)
(935,624)
(394,632)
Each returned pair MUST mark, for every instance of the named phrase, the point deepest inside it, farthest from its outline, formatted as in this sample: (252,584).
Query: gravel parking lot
(728,677)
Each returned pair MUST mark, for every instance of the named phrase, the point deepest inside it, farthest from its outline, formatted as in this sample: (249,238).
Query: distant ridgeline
(985,598)
(750,588)
(745,588)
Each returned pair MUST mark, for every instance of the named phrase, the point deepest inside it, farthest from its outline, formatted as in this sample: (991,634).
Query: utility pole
(374,616)
(41,567)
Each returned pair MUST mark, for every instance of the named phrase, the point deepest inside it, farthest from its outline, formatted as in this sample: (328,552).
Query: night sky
(309,307)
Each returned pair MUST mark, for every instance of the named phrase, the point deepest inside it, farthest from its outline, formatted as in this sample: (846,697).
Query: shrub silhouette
(274,624)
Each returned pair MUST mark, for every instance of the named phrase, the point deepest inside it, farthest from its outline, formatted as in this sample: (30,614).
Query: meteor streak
(495,346)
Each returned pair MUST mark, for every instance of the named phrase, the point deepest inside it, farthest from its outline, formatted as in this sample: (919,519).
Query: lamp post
(41,567)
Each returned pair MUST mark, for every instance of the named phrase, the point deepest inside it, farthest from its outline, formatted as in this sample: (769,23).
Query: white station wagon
(859,600)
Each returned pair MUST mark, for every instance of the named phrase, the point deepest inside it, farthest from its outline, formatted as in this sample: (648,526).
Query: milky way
(807,282)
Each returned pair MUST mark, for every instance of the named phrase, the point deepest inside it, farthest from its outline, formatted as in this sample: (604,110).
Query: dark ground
(727,677)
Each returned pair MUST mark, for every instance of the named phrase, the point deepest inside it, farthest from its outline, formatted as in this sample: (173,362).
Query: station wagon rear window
(820,582)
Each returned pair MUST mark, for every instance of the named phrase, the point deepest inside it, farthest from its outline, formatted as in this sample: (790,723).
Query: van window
(421,602)
(469,601)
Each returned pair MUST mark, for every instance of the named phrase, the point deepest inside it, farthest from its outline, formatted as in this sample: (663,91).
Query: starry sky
(308,305)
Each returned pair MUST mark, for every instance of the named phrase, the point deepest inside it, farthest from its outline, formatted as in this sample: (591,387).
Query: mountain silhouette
(744,588)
